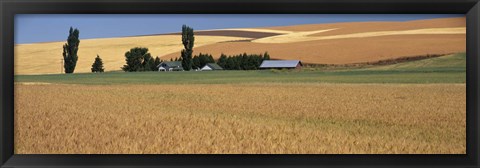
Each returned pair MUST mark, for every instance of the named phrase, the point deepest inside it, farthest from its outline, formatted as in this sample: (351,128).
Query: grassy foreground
(446,69)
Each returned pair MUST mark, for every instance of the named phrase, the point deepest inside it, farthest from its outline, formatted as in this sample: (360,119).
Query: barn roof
(280,63)
(172,64)
(214,66)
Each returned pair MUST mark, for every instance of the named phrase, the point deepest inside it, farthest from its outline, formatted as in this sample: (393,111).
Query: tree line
(198,61)
(138,59)
(242,61)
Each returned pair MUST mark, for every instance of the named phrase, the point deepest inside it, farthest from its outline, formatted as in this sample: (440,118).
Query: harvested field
(261,30)
(304,36)
(345,50)
(240,118)
(359,27)
(45,58)
(234,33)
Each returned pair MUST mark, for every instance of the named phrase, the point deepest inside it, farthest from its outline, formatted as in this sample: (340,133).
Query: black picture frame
(9,8)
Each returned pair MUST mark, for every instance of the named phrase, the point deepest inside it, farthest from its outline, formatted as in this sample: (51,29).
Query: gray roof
(171,64)
(280,63)
(214,66)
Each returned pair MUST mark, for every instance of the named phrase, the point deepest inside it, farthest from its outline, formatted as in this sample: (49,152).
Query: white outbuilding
(211,67)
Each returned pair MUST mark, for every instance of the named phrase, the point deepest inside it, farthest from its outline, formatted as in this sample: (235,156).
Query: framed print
(229,83)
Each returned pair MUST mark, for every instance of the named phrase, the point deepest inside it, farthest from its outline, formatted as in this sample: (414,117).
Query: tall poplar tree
(70,50)
(188,40)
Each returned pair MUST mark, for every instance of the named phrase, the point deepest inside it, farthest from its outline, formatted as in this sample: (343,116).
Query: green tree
(188,40)
(230,63)
(251,62)
(222,61)
(137,59)
(196,62)
(244,61)
(97,65)
(203,59)
(149,63)
(238,62)
(157,62)
(266,56)
(210,59)
(70,50)
(259,61)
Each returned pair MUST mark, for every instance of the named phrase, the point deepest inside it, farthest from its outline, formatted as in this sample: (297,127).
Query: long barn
(281,64)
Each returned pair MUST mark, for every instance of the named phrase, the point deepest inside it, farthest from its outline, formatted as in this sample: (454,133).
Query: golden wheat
(240,118)
(304,36)
(43,58)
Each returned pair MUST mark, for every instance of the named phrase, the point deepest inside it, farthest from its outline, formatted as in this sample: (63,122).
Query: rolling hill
(335,43)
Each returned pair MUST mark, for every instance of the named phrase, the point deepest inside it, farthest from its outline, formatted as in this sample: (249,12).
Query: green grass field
(445,69)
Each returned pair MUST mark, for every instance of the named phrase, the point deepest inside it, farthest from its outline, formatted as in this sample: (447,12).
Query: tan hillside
(356,27)
(335,43)
(306,36)
(41,58)
(345,51)
(344,43)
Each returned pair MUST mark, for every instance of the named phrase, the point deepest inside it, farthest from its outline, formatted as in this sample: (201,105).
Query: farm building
(170,66)
(211,66)
(281,64)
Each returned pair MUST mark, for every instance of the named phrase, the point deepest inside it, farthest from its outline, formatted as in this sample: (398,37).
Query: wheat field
(350,42)
(45,58)
(345,50)
(276,118)
(305,36)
